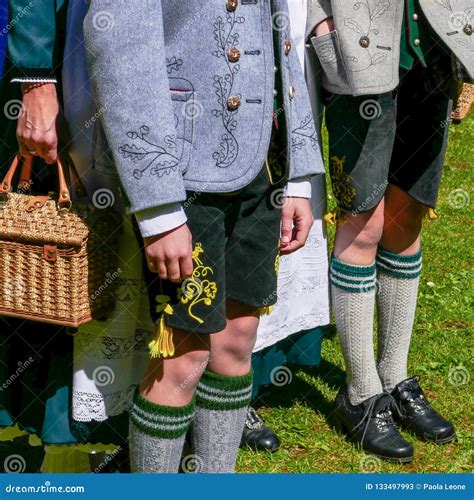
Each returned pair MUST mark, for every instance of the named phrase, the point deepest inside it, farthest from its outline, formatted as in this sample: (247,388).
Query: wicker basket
(463,102)
(58,261)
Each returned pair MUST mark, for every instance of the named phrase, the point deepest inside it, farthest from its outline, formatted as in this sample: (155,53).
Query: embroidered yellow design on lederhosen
(341,182)
(198,288)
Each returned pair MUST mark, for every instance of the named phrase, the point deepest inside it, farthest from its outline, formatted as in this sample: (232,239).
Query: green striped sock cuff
(168,422)
(399,266)
(351,278)
(219,392)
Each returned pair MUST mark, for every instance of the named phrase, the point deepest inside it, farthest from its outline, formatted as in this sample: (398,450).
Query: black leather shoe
(257,435)
(370,425)
(416,415)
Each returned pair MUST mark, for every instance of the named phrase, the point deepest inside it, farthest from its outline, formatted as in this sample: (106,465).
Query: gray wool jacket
(185,91)
(362,55)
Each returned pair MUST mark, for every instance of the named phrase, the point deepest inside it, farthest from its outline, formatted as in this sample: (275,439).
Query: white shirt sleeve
(154,221)
(298,188)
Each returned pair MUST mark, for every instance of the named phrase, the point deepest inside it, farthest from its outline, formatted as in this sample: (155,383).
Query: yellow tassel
(334,217)
(265,311)
(162,346)
(432,214)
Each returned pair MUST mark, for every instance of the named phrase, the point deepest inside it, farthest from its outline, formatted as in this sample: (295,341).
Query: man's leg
(398,273)
(164,406)
(352,276)
(224,391)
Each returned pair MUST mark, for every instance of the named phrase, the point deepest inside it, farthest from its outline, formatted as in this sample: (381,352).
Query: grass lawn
(441,351)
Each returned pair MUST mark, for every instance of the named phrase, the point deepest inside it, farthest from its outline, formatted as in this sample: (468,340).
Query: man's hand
(36,128)
(296,221)
(170,254)
(324,27)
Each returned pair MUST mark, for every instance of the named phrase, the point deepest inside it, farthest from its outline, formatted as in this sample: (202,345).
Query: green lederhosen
(402,138)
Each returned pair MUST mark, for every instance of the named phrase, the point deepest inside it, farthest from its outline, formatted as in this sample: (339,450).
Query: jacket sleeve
(127,65)
(318,11)
(36,39)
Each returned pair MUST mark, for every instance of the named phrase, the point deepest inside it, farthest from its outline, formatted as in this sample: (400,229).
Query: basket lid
(36,220)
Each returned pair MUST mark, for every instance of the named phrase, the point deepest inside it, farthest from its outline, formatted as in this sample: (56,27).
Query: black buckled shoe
(257,435)
(370,425)
(415,414)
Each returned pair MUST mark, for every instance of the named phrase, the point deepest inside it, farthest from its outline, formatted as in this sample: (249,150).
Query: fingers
(170,254)
(174,272)
(186,264)
(299,217)
(287,215)
(34,143)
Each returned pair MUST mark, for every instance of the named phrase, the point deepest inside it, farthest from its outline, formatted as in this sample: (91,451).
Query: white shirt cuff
(298,188)
(154,221)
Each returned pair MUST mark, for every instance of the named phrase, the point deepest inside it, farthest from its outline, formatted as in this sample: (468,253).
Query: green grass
(441,351)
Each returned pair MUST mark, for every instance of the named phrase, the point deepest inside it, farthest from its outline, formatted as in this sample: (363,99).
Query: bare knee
(231,350)
(174,380)
(358,236)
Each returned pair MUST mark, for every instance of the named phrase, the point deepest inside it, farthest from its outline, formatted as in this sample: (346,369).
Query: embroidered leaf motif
(444,3)
(132,152)
(380,8)
(352,25)
(226,38)
(378,58)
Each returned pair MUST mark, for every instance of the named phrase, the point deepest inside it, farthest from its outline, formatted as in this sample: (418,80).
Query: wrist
(38,87)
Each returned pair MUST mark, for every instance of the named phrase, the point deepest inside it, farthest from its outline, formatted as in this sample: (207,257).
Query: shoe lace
(378,409)
(253,420)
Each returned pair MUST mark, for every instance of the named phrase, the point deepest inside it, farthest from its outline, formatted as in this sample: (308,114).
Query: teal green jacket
(36,39)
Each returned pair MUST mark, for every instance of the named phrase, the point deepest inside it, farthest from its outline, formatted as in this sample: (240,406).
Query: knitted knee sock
(157,435)
(353,298)
(398,278)
(221,408)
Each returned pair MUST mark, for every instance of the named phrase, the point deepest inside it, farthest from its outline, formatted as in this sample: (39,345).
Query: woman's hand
(324,27)
(36,129)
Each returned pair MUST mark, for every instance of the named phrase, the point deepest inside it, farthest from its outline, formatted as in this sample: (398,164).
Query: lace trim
(99,407)
(107,347)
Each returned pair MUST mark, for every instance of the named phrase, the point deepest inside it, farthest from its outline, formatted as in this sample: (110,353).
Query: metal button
(415,17)
(275,92)
(275,69)
(292,91)
(233,54)
(232,5)
(468,29)
(364,41)
(233,102)
(416,41)
(287,46)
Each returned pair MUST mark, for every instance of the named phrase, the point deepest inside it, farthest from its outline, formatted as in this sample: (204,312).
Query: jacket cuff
(299,188)
(318,11)
(154,221)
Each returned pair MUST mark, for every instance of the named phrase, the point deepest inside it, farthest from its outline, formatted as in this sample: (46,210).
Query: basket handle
(64,198)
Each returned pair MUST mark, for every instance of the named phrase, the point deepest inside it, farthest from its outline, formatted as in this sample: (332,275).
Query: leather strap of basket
(64,197)
(24,183)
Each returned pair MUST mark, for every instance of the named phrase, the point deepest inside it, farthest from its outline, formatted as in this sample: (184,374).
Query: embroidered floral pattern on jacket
(173,64)
(341,182)
(158,160)
(460,20)
(226,38)
(305,132)
(373,12)
(199,288)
